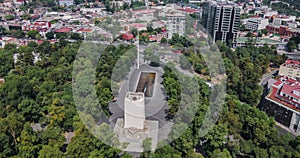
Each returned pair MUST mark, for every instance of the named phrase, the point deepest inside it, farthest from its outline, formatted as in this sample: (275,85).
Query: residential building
(66,2)
(191,10)
(291,68)
(84,32)
(8,40)
(92,10)
(283,20)
(127,36)
(144,15)
(116,4)
(157,38)
(197,2)
(283,103)
(254,24)
(221,20)
(139,26)
(283,30)
(270,13)
(259,42)
(176,24)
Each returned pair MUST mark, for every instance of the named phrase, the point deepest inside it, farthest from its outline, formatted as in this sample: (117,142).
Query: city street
(265,78)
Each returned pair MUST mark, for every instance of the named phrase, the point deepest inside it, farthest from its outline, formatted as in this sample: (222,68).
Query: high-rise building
(221,20)
(176,24)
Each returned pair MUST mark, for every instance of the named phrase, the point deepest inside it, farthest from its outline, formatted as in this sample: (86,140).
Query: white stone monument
(134,110)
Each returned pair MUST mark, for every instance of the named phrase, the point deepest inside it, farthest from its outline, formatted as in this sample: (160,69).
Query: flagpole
(138,47)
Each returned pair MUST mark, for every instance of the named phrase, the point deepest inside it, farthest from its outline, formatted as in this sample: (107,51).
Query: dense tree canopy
(40,93)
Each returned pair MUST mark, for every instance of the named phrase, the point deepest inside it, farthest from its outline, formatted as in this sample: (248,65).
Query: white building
(66,2)
(254,24)
(270,13)
(175,24)
(144,15)
(116,4)
(283,20)
(92,10)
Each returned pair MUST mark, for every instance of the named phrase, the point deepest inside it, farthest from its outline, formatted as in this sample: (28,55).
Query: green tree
(13,125)
(50,35)
(147,147)
(221,153)
(26,16)
(164,40)
(291,45)
(50,151)
(9,17)
(75,36)
(29,142)
(261,153)
(19,34)
(6,61)
(32,34)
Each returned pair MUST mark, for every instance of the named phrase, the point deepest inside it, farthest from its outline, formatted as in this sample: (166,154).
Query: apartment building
(291,68)
(176,24)
(221,19)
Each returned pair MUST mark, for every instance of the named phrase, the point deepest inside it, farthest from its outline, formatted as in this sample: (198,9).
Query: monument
(134,128)
(134,110)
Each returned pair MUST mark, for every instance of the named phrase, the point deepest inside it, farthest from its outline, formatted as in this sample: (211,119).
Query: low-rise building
(84,31)
(139,26)
(66,2)
(157,38)
(254,24)
(8,40)
(144,15)
(116,4)
(270,13)
(92,10)
(127,36)
(283,30)
(259,42)
(283,103)
(291,68)
(283,20)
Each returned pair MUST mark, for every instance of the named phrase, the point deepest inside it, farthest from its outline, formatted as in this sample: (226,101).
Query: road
(294,56)
(265,78)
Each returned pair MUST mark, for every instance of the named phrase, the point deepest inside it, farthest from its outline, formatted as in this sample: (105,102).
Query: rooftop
(291,64)
(258,40)
(286,92)
(62,30)
(188,10)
